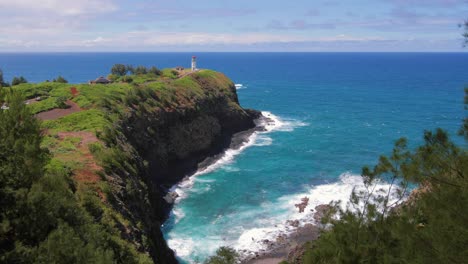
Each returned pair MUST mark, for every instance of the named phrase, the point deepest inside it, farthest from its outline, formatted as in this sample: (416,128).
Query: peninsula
(114,148)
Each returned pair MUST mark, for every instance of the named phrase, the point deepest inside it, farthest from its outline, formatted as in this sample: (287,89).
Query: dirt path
(57,113)
(86,174)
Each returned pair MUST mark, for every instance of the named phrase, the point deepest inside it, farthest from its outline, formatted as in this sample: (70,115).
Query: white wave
(263,140)
(183,246)
(178,214)
(239,86)
(253,240)
(254,228)
(231,168)
(270,123)
(278,124)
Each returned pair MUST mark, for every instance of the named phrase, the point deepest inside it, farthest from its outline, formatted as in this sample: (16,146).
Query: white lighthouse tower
(194,63)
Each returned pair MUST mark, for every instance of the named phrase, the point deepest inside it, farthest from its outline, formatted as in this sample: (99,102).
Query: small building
(179,68)
(100,80)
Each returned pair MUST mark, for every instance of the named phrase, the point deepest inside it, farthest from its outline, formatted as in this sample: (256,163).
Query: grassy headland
(95,198)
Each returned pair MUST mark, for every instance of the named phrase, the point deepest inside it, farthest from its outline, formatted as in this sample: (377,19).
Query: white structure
(194,63)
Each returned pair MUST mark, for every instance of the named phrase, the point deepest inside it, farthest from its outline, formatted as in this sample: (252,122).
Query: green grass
(104,104)
(87,120)
(91,95)
(31,90)
(47,104)
(169,73)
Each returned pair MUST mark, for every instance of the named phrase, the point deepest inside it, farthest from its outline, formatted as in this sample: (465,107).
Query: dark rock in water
(321,211)
(293,223)
(171,197)
(303,204)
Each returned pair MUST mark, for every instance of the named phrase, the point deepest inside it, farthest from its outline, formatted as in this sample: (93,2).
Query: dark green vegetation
(44,216)
(85,186)
(120,70)
(18,80)
(139,74)
(60,79)
(2,81)
(224,255)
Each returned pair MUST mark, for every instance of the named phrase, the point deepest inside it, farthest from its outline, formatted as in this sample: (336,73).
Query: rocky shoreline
(290,246)
(238,140)
(287,244)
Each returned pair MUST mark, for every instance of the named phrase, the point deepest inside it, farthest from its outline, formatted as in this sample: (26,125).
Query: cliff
(125,144)
(172,136)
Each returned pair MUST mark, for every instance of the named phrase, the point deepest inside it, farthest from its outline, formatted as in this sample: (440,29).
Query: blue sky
(241,25)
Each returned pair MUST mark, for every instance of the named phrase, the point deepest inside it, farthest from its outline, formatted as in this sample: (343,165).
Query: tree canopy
(2,80)
(60,79)
(119,70)
(42,217)
(18,80)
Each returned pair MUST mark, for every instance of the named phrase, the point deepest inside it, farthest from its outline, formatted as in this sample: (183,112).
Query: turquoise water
(339,112)
(335,113)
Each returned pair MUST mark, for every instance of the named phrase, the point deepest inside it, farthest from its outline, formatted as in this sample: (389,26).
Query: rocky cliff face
(170,137)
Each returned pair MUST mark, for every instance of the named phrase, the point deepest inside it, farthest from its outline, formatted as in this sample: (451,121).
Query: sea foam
(252,241)
(253,229)
(238,237)
(270,123)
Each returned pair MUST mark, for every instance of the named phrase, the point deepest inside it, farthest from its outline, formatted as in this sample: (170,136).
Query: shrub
(119,70)
(155,71)
(18,80)
(130,69)
(224,255)
(127,79)
(141,70)
(60,79)
(112,77)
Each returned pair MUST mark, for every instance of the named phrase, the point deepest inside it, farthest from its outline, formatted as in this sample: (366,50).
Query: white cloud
(60,7)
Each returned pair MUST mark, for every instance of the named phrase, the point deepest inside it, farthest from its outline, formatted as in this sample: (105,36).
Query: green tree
(224,255)
(2,81)
(429,228)
(60,79)
(22,162)
(141,70)
(119,70)
(155,71)
(127,79)
(18,80)
(464,129)
(130,69)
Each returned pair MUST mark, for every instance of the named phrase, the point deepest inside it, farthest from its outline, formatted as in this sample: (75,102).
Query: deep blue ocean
(334,112)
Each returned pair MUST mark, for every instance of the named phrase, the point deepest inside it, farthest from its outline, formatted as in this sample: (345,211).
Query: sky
(240,25)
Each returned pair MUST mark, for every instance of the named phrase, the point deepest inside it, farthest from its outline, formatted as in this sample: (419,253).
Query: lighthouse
(194,63)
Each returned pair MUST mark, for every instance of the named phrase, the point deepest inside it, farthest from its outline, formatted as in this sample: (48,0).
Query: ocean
(333,112)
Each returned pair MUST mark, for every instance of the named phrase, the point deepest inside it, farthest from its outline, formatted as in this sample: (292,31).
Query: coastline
(289,245)
(289,234)
(239,142)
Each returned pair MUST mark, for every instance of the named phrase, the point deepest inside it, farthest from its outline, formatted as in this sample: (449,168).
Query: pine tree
(22,162)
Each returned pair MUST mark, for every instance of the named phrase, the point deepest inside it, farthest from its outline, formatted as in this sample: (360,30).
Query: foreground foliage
(60,201)
(43,219)
(224,255)
(431,227)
